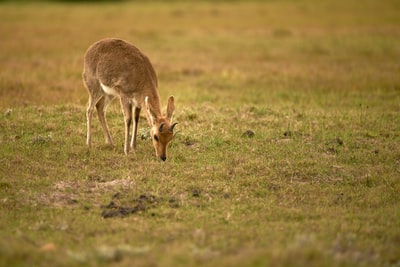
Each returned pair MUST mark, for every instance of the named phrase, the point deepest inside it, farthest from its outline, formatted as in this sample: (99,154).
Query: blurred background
(203,50)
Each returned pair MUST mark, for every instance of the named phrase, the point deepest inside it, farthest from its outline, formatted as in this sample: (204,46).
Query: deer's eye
(156,137)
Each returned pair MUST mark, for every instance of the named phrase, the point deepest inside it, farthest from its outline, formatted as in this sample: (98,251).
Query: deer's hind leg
(94,97)
(101,107)
(89,115)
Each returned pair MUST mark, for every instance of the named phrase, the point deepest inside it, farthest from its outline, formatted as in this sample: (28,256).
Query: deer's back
(119,64)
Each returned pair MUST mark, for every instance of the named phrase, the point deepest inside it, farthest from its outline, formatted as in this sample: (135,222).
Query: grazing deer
(115,68)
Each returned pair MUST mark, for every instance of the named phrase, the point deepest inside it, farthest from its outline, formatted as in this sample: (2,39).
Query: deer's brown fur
(115,68)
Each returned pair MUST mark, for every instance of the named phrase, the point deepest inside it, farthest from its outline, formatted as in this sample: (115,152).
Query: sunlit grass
(317,185)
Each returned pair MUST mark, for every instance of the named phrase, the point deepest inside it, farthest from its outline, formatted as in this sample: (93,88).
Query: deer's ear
(170,107)
(151,117)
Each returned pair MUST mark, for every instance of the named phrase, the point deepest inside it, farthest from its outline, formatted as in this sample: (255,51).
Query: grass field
(318,82)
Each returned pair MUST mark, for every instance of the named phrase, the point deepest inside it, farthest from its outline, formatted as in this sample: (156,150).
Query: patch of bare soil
(64,193)
(89,193)
(142,203)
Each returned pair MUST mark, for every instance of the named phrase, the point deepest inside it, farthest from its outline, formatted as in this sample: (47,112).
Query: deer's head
(162,128)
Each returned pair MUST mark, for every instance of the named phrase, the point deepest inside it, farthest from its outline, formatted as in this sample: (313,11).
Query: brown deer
(116,68)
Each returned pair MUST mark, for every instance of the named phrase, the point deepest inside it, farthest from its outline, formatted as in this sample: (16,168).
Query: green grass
(317,185)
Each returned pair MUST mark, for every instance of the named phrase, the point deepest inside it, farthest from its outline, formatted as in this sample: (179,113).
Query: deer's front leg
(135,126)
(127,110)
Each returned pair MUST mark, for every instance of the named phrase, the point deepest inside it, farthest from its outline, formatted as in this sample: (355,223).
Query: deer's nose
(163,158)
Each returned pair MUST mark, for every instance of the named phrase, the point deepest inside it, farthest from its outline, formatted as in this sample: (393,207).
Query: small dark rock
(339,141)
(196,193)
(227,195)
(288,133)
(248,133)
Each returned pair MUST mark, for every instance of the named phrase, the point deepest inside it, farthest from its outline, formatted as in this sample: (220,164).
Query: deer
(115,68)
